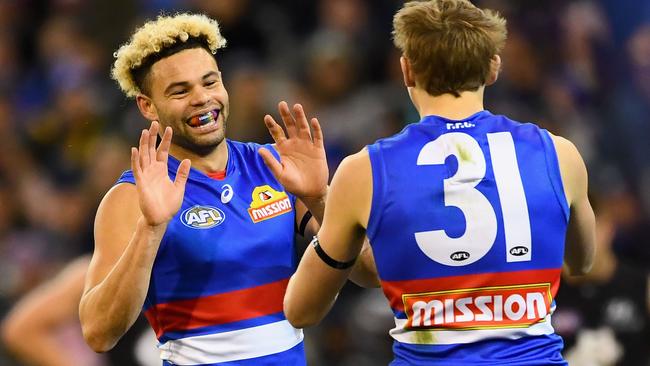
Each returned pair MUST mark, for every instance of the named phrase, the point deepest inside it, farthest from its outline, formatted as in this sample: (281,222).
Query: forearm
(39,348)
(312,290)
(31,329)
(316,205)
(33,341)
(108,309)
(580,245)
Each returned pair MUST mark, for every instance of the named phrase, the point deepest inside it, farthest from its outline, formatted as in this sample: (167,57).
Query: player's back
(467,227)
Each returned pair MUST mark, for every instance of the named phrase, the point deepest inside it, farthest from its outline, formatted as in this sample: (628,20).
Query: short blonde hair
(449,43)
(157,35)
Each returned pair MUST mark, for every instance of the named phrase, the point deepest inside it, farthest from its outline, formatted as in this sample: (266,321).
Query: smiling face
(187,94)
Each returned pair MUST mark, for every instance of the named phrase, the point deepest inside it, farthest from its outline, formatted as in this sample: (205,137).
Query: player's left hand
(302,169)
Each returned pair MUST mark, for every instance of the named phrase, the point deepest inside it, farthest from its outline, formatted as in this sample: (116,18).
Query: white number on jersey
(480,218)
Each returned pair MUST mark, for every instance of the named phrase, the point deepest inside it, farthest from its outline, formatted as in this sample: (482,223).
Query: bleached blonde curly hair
(156,36)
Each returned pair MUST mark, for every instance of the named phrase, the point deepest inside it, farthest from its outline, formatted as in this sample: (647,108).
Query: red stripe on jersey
(395,289)
(217,309)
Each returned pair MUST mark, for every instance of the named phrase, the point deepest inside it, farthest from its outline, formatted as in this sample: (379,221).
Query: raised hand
(302,169)
(159,197)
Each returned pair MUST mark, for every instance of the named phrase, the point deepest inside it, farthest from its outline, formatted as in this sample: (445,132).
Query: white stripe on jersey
(443,337)
(235,345)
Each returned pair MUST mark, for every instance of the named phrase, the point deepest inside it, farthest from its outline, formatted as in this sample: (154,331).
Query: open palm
(302,169)
(159,197)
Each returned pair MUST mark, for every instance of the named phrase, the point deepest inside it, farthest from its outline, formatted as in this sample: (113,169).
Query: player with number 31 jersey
(470,215)
(479,214)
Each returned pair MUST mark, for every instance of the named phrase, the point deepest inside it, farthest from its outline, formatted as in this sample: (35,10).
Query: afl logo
(202,217)
(519,251)
(459,256)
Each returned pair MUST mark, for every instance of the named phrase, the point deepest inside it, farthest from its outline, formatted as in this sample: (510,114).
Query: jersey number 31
(480,218)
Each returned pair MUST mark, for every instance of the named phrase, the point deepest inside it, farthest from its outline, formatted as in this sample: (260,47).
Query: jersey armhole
(378,190)
(554,173)
(126,177)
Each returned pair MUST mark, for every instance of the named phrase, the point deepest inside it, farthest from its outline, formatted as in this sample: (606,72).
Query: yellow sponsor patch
(268,203)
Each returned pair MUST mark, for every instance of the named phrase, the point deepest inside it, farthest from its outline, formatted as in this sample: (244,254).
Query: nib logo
(459,125)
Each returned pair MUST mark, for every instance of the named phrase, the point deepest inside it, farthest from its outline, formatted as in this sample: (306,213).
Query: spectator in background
(43,327)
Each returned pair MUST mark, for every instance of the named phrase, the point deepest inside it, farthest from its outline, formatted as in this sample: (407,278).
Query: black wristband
(329,260)
(304,222)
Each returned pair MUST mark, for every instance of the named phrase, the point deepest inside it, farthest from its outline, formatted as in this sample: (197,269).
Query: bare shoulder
(352,184)
(351,164)
(572,168)
(115,222)
(565,148)
(119,210)
(121,201)
(354,172)
(117,215)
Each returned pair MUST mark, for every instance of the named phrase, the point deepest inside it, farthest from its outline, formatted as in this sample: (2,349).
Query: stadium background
(579,68)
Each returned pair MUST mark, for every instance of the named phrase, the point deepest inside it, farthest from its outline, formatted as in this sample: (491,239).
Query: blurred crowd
(581,69)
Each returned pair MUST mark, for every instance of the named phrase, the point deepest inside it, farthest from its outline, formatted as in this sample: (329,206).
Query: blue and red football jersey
(467,226)
(223,265)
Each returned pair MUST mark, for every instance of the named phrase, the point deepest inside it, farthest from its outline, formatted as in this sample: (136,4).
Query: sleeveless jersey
(467,227)
(220,274)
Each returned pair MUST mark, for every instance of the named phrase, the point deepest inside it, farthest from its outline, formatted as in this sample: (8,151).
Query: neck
(447,105)
(212,162)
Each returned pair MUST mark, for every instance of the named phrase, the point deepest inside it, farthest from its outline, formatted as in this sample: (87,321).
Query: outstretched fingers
(163,148)
(146,153)
(143,149)
(135,164)
(287,118)
(317,133)
(277,133)
(301,122)
(182,173)
(153,136)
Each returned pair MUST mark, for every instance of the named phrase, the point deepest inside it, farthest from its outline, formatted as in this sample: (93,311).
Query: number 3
(480,218)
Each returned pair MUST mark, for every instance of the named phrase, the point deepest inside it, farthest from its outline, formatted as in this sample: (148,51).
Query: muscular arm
(580,244)
(364,272)
(119,273)
(313,288)
(130,223)
(29,331)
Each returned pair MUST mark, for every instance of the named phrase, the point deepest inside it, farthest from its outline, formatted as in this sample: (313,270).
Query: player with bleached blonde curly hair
(205,251)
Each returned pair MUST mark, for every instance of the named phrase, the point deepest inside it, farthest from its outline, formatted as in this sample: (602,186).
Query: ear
(146,107)
(495,67)
(409,79)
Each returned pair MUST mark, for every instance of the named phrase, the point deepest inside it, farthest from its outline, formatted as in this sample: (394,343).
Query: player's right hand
(159,197)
